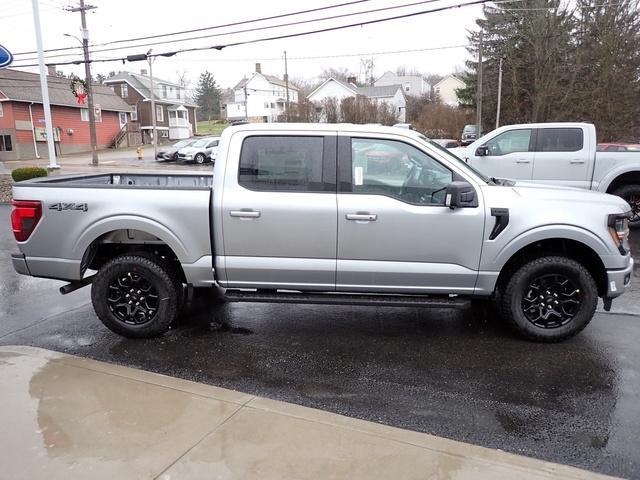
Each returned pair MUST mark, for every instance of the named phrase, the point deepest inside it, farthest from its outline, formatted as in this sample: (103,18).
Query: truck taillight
(25,216)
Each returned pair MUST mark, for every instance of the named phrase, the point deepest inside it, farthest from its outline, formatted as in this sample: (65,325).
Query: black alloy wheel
(551,301)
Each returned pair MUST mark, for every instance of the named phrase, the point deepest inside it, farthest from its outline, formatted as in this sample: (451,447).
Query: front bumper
(20,264)
(619,280)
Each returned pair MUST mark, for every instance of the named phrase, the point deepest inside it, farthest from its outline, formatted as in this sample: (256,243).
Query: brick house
(175,114)
(22,127)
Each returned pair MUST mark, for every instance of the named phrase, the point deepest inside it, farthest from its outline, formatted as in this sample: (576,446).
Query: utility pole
(151,59)
(479,92)
(87,74)
(286,83)
(44,88)
(499,94)
(246,107)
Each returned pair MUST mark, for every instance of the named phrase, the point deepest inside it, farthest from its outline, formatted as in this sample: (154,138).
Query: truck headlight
(619,230)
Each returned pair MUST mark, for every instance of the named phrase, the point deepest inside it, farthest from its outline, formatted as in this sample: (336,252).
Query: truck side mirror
(460,195)
(482,151)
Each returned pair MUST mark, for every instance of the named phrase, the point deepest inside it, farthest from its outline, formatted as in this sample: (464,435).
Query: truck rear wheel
(136,296)
(549,299)
(631,195)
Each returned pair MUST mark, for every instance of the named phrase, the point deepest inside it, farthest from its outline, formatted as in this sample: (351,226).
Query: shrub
(27,173)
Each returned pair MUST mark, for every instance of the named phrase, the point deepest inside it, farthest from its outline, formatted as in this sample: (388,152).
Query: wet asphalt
(459,375)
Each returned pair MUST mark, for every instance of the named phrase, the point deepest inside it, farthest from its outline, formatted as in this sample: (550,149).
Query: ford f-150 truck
(557,154)
(328,214)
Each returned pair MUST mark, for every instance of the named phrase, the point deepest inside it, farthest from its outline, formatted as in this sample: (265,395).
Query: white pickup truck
(557,154)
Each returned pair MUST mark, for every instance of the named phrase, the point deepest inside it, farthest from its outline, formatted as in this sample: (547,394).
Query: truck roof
(314,127)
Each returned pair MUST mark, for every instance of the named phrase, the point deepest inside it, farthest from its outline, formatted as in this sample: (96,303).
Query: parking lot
(458,375)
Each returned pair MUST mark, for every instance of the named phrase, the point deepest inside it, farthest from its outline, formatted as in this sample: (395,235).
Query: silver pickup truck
(329,214)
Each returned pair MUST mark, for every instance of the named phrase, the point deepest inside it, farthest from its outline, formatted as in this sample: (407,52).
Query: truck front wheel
(136,296)
(631,195)
(549,299)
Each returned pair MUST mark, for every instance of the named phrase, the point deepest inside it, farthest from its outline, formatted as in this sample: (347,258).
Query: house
(447,90)
(259,98)
(22,126)
(175,114)
(392,95)
(411,84)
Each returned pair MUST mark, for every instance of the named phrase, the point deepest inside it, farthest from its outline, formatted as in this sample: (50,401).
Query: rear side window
(283,163)
(560,139)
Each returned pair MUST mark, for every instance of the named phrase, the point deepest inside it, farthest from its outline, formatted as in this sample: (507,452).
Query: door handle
(576,161)
(523,160)
(362,217)
(244,213)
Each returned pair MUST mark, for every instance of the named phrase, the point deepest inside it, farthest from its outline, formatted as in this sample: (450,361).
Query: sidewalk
(67,417)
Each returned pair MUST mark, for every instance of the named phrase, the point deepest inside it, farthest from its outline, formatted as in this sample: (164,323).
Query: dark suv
(469,135)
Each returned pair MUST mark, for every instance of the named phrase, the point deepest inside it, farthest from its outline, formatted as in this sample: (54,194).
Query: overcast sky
(122,19)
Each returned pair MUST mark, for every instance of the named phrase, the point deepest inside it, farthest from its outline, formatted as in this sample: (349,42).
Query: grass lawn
(211,128)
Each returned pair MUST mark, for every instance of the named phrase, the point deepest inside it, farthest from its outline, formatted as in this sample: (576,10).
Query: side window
(398,170)
(283,163)
(510,142)
(560,139)
(214,143)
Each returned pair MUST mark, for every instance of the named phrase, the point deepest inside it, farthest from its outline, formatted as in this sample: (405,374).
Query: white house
(259,98)
(411,84)
(390,94)
(446,89)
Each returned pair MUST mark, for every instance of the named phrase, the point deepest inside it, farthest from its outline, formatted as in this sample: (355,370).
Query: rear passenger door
(562,157)
(280,213)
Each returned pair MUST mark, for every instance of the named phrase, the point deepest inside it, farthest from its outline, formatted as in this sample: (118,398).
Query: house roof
(348,86)
(142,83)
(446,78)
(269,78)
(25,87)
(383,91)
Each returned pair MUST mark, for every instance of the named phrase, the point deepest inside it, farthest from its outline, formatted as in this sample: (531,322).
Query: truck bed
(125,180)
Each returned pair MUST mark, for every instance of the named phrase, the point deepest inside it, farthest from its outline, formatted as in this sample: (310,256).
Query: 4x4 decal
(82,207)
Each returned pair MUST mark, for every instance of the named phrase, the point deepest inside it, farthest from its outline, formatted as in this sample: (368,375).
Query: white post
(153,108)
(44,88)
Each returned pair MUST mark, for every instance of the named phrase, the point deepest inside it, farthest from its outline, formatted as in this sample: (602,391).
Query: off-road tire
(163,279)
(631,193)
(511,299)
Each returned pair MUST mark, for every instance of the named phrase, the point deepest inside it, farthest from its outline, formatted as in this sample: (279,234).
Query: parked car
(200,151)
(469,134)
(274,222)
(170,152)
(557,154)
(447,142)
(618,147)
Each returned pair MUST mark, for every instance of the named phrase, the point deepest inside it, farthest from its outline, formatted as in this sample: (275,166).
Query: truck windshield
(459,161)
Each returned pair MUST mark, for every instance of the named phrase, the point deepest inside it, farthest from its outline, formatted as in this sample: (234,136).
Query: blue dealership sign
(5,57)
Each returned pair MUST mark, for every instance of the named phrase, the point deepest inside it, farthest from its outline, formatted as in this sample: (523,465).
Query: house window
(266,105)
(84,114)
(164,91)
(164,133)
(124,90)
(159,113)
(178,93)
(1,110)
(123,118)
(134,115)
(5,143)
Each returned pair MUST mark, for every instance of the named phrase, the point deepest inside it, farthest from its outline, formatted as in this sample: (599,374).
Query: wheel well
(557,246)
(118,242)
(629,178)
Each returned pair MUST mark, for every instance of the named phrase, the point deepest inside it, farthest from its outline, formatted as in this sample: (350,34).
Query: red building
(22,127)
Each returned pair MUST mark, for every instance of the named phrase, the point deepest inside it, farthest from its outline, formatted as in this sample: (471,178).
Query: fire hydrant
(139,152)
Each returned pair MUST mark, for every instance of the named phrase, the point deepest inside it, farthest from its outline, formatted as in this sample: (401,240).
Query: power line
(233,24)
(254,29)
(279,37)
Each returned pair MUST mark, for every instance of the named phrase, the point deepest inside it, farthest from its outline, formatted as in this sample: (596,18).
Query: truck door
(279,212)
(507,155)
(562,157)
(395,233)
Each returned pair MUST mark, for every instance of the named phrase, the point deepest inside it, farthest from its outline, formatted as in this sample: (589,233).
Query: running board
(348,299)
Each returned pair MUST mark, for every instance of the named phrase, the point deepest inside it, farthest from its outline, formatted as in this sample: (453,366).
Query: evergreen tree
(207,96)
